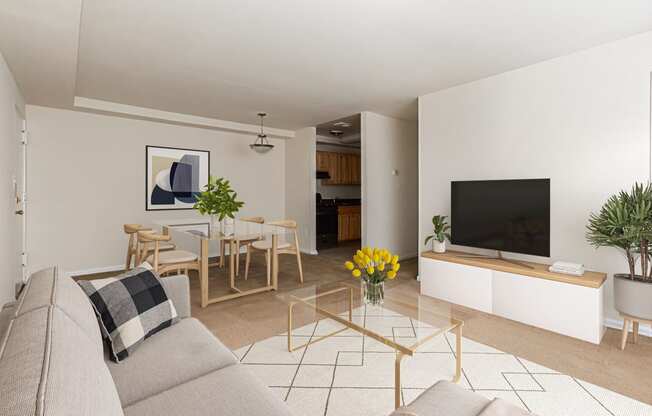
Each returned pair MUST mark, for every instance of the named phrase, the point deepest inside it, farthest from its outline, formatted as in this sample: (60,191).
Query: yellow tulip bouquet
(373,266)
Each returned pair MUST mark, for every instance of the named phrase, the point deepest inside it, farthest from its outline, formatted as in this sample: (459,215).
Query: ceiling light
(261,145)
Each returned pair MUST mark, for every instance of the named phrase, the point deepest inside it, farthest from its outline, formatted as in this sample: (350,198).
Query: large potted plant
(625,222)
(219,201)
(439,234)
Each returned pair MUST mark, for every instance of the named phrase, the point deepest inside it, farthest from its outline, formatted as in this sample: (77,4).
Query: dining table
(229,234)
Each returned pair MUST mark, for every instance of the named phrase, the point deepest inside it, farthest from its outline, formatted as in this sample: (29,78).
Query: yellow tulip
(370,270)
(396,266)
(381,266)
(356,273)
(359,253)
(387,258)
(391,274)
(395,259)
(367,251)
(349,265)
(376,258)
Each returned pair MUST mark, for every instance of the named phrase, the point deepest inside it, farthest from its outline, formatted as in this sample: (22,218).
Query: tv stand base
(498,256)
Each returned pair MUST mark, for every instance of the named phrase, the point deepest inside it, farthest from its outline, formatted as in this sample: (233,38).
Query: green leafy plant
(218,198)
(440,229)
(625,222)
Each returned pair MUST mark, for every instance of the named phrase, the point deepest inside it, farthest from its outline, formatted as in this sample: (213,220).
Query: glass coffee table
(425,319)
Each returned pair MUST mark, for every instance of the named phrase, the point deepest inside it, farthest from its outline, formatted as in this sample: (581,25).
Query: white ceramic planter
(439,246)
(632,297)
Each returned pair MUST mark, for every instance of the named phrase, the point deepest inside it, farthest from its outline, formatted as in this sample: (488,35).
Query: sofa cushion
(232,391)
(49,287)
(446,399)
(131,307)
(49,366)
(181,353)
(6,315)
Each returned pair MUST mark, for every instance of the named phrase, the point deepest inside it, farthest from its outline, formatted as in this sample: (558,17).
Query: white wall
(390,202)
(581,120)
(11,108)
(300,185)
(86,179)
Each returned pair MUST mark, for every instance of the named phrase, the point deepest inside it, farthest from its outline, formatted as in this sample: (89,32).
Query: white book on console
(575,269)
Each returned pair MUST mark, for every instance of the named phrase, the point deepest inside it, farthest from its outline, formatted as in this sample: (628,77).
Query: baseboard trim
(618,324)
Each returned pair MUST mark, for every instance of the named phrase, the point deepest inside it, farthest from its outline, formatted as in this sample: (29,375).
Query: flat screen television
(504,215)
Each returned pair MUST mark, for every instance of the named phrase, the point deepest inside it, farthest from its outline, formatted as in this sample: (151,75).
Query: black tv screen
(505,215)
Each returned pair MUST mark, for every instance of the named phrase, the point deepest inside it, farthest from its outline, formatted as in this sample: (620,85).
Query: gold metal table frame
(401,350)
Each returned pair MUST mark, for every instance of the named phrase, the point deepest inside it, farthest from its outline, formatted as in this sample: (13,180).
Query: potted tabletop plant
(219,201)
(439,234)
(625,222)
(373,266)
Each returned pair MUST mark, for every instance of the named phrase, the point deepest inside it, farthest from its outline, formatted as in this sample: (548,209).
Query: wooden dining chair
(132,245)
(282,248)
(165,261)
(245,240)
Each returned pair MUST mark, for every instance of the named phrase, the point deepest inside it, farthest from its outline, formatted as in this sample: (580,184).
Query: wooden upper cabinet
(322,161)
(343,168)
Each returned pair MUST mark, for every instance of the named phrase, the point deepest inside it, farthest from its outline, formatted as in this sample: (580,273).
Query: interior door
(20,196)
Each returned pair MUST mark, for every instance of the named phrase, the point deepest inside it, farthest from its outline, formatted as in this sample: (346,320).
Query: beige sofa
(52,362)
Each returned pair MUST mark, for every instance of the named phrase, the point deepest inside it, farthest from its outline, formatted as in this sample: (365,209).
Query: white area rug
(350,375)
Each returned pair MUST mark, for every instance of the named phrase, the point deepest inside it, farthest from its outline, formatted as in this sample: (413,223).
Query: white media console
(569,305)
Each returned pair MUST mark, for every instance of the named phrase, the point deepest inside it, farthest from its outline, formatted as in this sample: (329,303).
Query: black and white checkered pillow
(130,308)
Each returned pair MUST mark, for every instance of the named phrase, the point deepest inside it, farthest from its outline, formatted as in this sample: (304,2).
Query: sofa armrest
(177,288)
(444,398)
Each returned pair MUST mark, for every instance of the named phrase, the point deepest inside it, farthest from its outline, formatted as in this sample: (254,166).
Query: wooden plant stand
(635,324)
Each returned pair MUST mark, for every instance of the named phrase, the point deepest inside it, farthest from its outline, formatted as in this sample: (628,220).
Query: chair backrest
(290,225)
(284,223)
(147,238)
(257,220)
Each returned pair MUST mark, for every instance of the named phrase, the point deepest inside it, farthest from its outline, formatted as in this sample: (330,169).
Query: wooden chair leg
(237,258)
(300,268)
(128,262)
(185,271)
(635,332)
(247,261)
(268,260)
(623,338)
(222,251)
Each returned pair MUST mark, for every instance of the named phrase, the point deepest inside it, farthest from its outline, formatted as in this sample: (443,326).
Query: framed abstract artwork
(174,177)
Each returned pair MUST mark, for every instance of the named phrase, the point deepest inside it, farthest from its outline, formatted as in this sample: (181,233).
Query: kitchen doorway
(339,185)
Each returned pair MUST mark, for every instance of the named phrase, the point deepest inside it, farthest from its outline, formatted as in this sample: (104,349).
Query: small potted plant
(219,201)
(373,266)
(439,234)
(625,222)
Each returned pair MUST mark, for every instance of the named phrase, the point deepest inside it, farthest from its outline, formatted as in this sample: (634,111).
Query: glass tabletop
(405,320)
(238,230)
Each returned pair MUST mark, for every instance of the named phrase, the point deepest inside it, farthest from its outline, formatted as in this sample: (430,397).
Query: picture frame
(174,176)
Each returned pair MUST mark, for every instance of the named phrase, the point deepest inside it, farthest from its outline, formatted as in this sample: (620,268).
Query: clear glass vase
(216,226)
(374,293)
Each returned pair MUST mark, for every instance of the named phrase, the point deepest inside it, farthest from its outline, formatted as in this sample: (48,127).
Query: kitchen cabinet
(343,168)
(349,223)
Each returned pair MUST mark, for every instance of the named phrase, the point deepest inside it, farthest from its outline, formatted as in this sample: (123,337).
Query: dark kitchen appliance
(326,223)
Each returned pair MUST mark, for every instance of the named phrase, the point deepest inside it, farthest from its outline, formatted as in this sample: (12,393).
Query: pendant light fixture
(261,145)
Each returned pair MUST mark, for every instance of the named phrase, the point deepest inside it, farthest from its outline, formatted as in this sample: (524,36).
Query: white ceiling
(304,62)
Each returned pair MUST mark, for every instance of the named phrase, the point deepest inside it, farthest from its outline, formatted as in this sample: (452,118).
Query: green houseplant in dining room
(625,222)
(219,201)
(439,234)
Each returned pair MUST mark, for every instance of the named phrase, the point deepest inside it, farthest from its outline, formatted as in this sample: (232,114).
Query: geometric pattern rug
(353,375)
